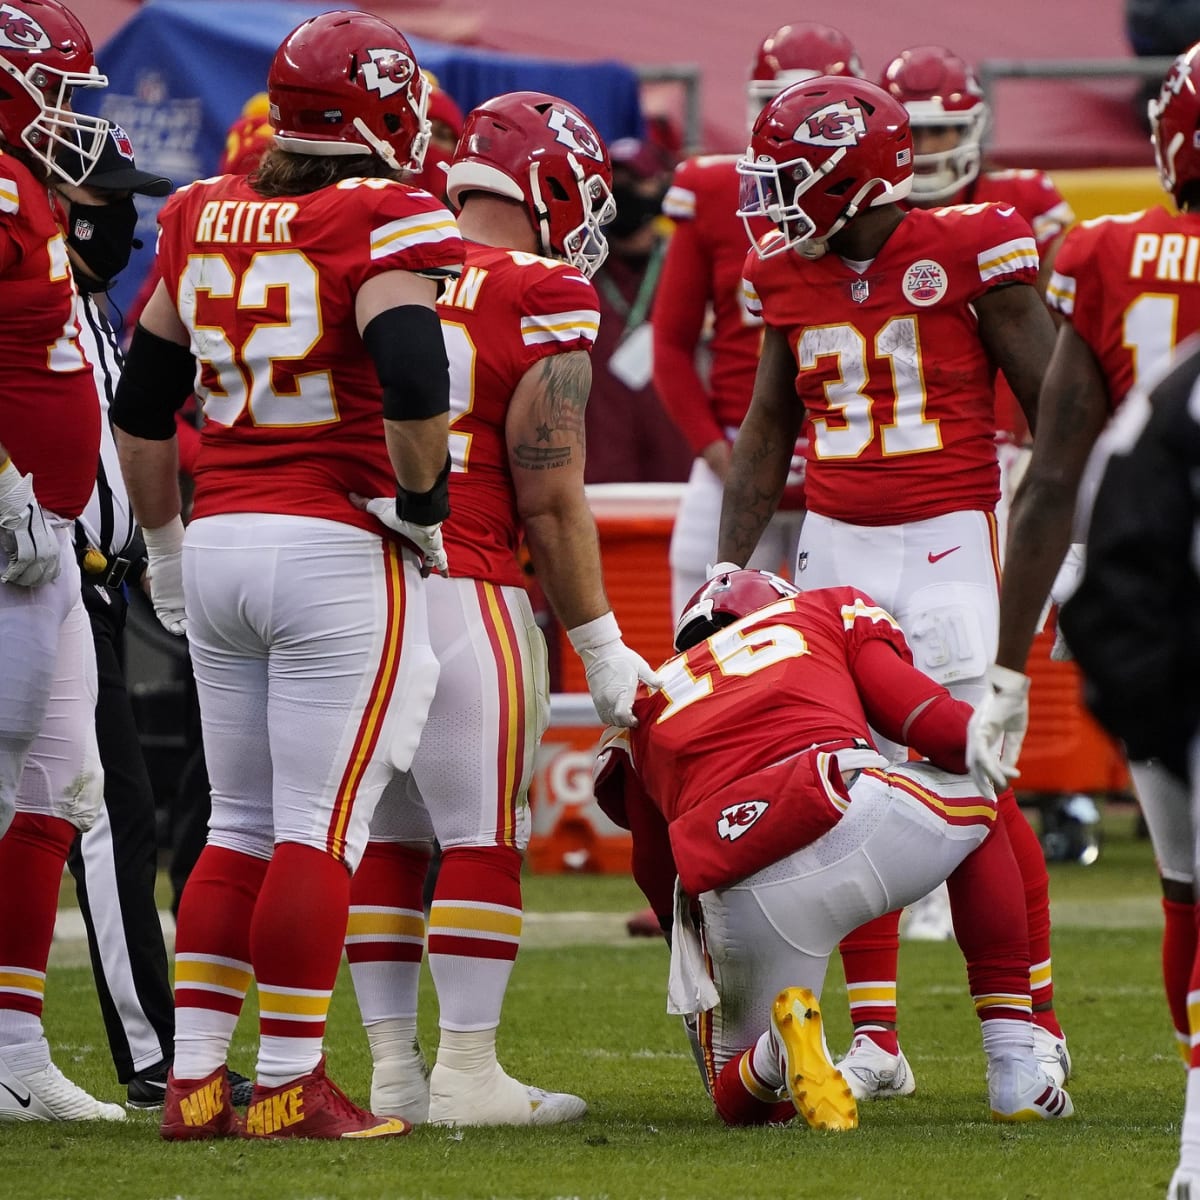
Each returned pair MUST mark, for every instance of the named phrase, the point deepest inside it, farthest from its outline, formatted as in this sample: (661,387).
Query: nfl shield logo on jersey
(859,291)
(737,818)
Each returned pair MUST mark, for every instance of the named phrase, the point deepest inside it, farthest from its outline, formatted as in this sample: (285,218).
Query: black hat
(115,169)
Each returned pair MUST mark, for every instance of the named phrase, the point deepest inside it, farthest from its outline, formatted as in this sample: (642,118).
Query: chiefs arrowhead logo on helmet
(21,31)
(387,72)
(836,124)
(574,134)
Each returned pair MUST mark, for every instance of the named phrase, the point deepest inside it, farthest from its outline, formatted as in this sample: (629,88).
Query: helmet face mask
(819,153)
(940,92)
(38,72)
(543,152)
(1175,126)
(794,53)
(347,83)
(727,598)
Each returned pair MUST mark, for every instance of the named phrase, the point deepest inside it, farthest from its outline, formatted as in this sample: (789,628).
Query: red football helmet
(44,53)
(348,83)
(940,91)
(819,153)
(1175,125)
(542,151)
(727,598)
(794,53)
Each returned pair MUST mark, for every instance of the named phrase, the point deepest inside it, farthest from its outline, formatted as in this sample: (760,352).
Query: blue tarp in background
(180,70)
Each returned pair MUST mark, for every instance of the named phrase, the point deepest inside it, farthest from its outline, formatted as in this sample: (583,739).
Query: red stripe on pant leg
(372,720)
(510,729)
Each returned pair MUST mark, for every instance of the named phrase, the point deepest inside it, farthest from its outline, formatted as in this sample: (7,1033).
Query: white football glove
(613,671)
(31,544)
(997,728)
(164,569)
(426,538)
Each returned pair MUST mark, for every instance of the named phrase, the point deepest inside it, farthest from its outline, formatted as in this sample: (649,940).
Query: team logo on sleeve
(18,31)
(737,818)
(836,124)
(387,71)
(575,134)
(924,283)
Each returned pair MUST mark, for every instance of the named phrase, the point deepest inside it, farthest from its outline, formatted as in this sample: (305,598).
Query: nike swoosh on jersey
(942,554)
(23,1101)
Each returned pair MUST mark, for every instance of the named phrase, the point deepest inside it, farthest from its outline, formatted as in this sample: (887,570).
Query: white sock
(468,1050)
(1189,1151)
(393,1039)
(28,1056)
(766,1059)
(1005,1038)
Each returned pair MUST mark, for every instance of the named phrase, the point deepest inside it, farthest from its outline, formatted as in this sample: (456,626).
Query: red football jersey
(755,694)
(507,311)
(266,288)
(895,382)
(1130,285)
(704,264)
(49,411)
(1031,193)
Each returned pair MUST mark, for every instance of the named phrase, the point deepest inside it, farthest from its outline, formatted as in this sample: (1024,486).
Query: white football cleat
(400,1088)
(1053,1056)
(929,919)
(494,1098)
(1185,1185)
(1019,1090)
(48,1095)
(873,1073)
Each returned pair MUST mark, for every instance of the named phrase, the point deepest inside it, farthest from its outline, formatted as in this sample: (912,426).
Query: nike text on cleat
(1053,1056)
(1019,1090)
(816,1087)
(492,1097)
(199,1109)
(874,1074)
(941,554)
(46,1094)
(313,1106)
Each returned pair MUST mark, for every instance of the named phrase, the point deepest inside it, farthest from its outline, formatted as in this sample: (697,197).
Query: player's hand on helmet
(164,570)
(612,669)
(997,728)
(426,538)
(26,537)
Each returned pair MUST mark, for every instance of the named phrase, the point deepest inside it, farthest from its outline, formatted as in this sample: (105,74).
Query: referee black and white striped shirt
(107,523)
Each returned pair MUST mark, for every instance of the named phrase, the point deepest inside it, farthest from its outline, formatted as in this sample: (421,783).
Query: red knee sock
(32,855)
(740,1099)
(1178,956)
(869,959)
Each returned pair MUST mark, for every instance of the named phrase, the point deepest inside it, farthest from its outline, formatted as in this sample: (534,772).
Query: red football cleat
(313,1106)
(196,1109)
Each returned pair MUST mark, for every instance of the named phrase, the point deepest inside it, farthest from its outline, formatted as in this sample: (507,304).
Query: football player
(752,775)
(1127,288)
(531,181)
(51,780)
(883,329)
(299,303)
(701,281)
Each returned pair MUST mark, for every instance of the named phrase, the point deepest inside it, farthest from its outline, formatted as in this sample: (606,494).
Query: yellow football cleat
(816,1087)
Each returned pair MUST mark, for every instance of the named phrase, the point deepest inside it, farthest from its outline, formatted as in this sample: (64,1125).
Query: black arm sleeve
(406,346)
(158,377)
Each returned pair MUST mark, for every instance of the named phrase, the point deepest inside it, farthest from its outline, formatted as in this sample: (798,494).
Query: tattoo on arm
(558,414)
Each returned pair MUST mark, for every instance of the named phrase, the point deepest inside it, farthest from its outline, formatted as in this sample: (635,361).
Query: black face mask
(634,209)
(102,236)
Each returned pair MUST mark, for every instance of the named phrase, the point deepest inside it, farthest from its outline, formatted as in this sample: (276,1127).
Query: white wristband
(166,539)
(593,634)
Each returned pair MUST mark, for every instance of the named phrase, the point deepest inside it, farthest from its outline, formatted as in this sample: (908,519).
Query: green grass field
(585,1012)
